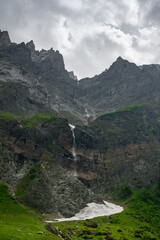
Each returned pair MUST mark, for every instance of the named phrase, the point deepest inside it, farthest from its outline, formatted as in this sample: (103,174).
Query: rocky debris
(91,224)
(52,230)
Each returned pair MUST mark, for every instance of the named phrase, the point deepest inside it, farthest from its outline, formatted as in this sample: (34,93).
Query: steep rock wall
(119,148)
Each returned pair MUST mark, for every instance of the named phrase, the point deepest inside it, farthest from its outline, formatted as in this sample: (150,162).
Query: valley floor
(139,220)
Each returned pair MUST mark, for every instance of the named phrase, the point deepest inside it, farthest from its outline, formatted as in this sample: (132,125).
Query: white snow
(94,210)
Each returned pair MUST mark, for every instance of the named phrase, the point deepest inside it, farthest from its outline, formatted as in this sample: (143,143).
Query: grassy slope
(139,220)
(17,222)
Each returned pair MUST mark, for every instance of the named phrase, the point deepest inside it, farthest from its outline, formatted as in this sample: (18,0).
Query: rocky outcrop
(4,39)
(31,46)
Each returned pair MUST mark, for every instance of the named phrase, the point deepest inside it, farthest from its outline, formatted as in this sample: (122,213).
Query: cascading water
(73,150)
(87,113)
(74,143)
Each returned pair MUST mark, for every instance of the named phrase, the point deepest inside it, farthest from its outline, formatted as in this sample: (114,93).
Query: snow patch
(94,210)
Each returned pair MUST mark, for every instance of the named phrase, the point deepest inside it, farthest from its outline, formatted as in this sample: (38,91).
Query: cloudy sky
(90,34)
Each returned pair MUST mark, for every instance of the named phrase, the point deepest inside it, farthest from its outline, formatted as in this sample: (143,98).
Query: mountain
(32,81)
(119,148)
(123,84)
(115,141)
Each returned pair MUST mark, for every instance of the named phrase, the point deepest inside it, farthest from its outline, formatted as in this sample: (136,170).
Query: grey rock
(4,39)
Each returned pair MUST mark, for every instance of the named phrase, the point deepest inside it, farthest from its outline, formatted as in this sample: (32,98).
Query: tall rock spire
(4,39)
(31,46)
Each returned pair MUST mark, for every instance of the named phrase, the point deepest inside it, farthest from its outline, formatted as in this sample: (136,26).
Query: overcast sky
(90,34)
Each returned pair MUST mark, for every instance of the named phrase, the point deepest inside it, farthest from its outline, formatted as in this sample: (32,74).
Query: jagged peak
(4,39)
(122,63)
(31,45)
(72,75)
(120,59)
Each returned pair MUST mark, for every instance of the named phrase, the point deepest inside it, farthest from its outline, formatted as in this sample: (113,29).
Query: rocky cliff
(119,148)
(32,80)
(4,39)
(34,154)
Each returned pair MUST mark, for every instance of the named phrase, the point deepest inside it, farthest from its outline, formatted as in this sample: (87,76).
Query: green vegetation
(129,109)
(124,192)
(26,183)
(69,116)
(6,116)
(139,220)
(17,222)
(39,118)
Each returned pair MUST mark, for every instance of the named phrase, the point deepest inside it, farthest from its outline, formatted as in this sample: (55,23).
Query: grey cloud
(77,29)
(129,28)
(154,14)
(149,12)
(94,55)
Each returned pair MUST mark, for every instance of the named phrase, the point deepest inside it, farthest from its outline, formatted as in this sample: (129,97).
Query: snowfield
(94,210)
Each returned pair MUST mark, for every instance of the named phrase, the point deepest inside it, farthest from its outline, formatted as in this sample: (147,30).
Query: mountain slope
(119,148)
(123,84)
(18,222)
(32,81)
(139,220)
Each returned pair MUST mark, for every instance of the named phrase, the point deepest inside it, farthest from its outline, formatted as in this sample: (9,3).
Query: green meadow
(139,220)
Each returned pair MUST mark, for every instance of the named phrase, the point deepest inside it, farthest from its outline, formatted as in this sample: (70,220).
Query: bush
(125,192)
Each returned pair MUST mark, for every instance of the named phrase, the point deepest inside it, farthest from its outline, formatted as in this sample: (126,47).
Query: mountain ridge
(123,84)
(114,145)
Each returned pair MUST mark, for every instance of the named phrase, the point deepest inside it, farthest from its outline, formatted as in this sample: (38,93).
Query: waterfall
(73,150)
(87,113)
(74,143)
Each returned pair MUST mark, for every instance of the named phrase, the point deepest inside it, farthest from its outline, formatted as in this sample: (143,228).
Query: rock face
(39,79)
(33,161)
(123,84)
(119,148)
(4,39)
